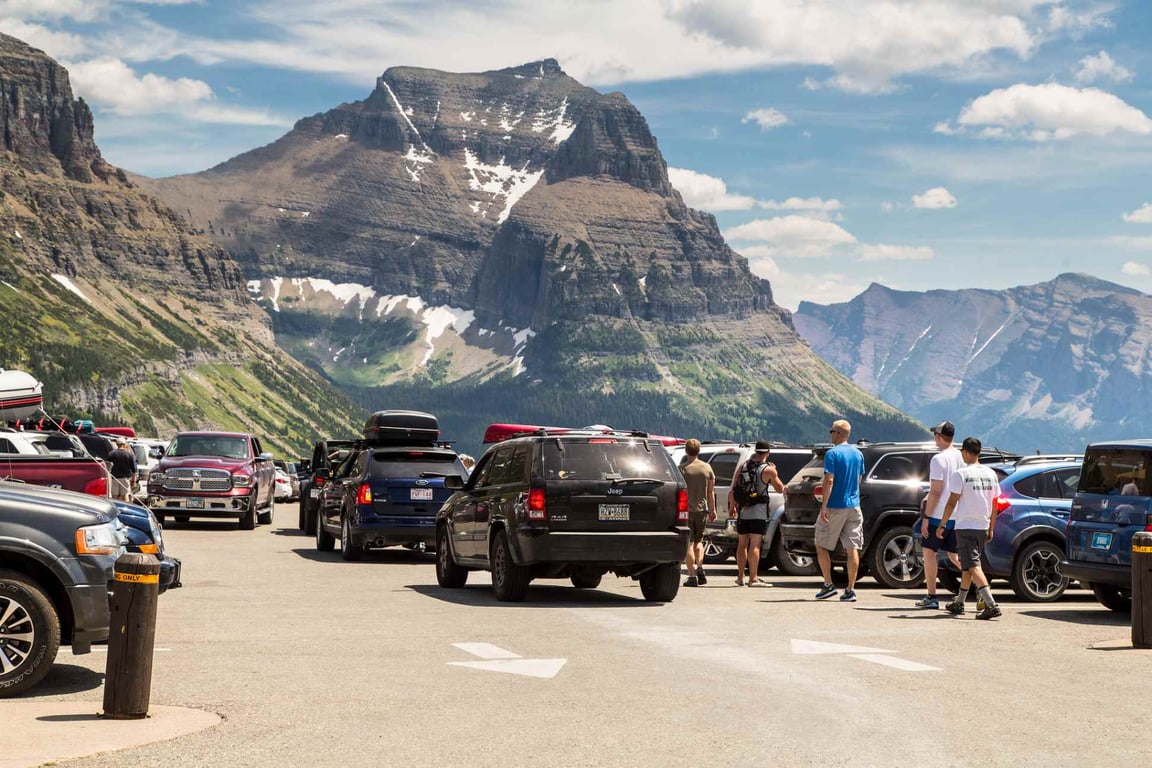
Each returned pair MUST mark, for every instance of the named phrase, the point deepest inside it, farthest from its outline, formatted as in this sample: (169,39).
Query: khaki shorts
(844,525)
(696,525)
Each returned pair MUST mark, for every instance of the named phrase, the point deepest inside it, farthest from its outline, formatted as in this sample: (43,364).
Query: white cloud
(887,207)
(1142,215)
(1141,243)
(790,288)
(1075,22)
(767,118)
(1136,269)
(55,44)
(801,204)
(705,192)
(795,236)
(1101,67)
(896,253)
(1049,112)
(78,10)
(937,197)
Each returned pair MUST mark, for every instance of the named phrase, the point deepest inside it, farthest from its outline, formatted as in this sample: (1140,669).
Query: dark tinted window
(724,467)
(399,464)
(788,464)
(1029,486)
(902,467)
(1116,470)
(6,446)
(509,465)
(1066,481)
(606,460)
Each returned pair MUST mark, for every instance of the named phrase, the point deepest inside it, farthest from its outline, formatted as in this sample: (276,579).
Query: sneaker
(955,608)
(826,592)
(849,596)
(758,583)
(929,601)
(700,577)
(691,581)
(989,612)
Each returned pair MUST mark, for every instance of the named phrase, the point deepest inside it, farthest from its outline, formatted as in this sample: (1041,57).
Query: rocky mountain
(1045,367)
(507,245)
(114,302)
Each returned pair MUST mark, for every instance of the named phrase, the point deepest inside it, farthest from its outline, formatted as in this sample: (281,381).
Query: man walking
(123,470)
(840,518)
(944,463)
(701,482)
(972,494)
(751,512)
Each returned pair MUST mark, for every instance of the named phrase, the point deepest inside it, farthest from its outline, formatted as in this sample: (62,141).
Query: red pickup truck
(81,474)
(216,475)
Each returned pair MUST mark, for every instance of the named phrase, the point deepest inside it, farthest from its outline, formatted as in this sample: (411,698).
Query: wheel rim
(17,634)
(800,561)
(345,535)
(498,564)
(1041,576)
(900,559)
(442,553)
(712,549)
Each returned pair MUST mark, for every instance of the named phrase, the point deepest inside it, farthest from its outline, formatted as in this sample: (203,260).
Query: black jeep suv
(571,505)
(895,482)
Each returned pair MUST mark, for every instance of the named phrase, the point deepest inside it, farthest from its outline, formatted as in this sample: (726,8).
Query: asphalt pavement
(311,661)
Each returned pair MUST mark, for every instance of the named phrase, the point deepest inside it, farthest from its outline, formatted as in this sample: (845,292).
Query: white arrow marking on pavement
(496,659)
(895,662)
(812,647)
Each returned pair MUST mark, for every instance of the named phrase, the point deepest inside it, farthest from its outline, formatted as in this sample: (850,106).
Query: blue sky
(918,143)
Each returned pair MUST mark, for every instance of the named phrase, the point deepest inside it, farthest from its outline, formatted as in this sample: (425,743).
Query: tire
(31,633)
(1113,597)
(793,565)
(348,549)
(182,519)
(448,573)
(950,580)
(893,560)
(1035,577)
(302,520)
(325,542)
(248,519)
(586,581)
(265,517)
(509,580)
(714,554)
(661,584)
(159,518)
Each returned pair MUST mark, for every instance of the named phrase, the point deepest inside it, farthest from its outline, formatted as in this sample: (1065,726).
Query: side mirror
(266,456)
(453,482)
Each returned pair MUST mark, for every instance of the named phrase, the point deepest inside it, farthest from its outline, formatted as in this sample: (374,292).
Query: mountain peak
(1085,281)
(542,68)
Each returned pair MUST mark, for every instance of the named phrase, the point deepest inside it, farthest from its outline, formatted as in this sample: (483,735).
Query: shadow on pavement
(69,718)
(538,596)
(1102,616)
(290,532)
(170,523)
(372,557)
(66,678)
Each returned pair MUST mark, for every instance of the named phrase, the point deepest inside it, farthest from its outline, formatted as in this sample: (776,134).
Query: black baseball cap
(945,428)
(763,446)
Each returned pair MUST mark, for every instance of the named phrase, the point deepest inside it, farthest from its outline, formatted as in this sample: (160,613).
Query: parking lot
(318,662)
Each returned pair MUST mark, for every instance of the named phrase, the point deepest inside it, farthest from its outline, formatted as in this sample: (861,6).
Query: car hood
(202,462)
(60,499)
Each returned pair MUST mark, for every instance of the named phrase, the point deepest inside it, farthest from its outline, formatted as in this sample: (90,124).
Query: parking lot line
(895,662)
(486,650)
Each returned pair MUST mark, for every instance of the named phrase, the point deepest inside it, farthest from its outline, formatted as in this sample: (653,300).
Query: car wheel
(302,522)
(182,519)
(248,519)
(1035,573)
(793,565)
(1113,597)
(509,580)
(325,542)
(660,584)
(715,554)
(29,633)
(586,580)
(348,547)
(448,573)
(894,561)
(265,517)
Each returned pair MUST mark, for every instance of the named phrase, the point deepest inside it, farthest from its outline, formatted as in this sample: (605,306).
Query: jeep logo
(615,491)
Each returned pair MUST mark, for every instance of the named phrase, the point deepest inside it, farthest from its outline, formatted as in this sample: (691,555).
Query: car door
(724,467)
(489,497)
(1057,488)
(463,514)
(332,494)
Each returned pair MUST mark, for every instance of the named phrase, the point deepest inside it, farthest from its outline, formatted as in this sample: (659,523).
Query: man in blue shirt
(840,518)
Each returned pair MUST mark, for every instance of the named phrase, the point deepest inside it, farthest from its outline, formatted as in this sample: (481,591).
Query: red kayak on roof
(21,395)
(498,433)
(117,431)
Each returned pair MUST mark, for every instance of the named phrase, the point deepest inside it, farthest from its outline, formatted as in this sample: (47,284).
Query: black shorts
(745,527)
(934,542)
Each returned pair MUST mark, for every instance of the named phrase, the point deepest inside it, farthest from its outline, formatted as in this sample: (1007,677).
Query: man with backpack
(748,504)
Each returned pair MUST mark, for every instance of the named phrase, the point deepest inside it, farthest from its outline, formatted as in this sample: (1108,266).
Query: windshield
(210,445)
(1116,471)
(606,460)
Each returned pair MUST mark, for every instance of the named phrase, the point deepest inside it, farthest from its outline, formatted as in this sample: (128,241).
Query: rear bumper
(395,529)
(800,539)
(606,549)
(1097,573)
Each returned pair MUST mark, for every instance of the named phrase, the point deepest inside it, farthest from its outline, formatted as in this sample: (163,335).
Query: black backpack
(747,488)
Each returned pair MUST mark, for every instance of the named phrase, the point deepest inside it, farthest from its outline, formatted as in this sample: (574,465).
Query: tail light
(1148,523)
(682,506)
(318,482)
(536,509)
(818,492)
(97,487)
(1001,503)
(364,494)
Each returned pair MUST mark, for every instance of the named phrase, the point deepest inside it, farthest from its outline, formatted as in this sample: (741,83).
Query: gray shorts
(121,487)
(969,545)
(844,525)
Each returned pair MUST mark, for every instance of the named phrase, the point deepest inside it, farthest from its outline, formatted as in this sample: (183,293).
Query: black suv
(568,505)
(895,482)
(388,488)
(326,455)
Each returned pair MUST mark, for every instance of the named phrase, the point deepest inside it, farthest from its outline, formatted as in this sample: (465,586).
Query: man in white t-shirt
(944,463)
(971,502)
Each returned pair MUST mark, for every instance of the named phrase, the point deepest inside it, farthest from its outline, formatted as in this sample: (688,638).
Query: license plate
(614,511)
(195,504)
(314,493)
(421,494)
(1101,541)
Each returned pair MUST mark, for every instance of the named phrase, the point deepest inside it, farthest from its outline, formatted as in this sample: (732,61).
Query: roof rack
(498,433)
(1043,458)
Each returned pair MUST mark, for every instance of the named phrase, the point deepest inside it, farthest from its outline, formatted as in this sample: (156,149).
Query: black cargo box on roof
(402,427)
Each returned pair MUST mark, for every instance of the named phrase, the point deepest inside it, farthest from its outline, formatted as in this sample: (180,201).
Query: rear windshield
(1116,471)
(596,460)
(210,445)
(788,464)
(398,464)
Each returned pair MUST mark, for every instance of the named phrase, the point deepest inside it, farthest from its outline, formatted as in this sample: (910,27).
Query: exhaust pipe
(379,541)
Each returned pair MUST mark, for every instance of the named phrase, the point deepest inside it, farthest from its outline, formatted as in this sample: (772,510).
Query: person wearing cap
(840,520)
(752,519)
(944,463)
(122,469)
(972,491)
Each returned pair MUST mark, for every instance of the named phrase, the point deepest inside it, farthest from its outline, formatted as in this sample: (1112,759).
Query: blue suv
(1111,505)
(1028,542)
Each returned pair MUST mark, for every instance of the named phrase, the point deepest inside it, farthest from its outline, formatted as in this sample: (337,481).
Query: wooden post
(132,635)
(1142,590)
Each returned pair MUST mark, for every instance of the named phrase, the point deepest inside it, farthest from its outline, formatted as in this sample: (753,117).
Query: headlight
(98,540)
(156,477)
(241,481)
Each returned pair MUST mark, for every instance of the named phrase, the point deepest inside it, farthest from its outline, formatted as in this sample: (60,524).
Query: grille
(197,480)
